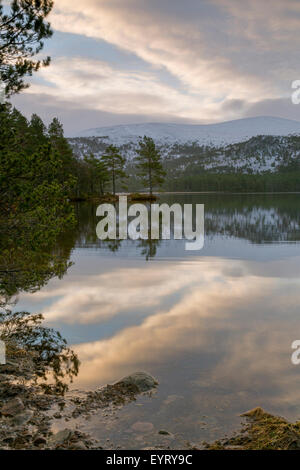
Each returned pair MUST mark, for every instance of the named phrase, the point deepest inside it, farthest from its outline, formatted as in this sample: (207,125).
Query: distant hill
(253,145)
(220,134)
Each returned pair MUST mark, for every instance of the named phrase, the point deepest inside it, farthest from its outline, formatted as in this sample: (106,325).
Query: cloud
(97,297)
(226,319)
(215,48)
(282,107)
(210,311)
(104,296)
(76,117)
(96,85)
(221,58)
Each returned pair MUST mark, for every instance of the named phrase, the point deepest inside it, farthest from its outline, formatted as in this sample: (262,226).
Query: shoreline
(27,416)
(145,197)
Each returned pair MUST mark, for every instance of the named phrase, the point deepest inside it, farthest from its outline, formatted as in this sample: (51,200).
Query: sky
(193,61)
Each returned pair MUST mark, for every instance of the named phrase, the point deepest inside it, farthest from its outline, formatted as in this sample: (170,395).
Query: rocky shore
(27,415)
(31,419)
(28,418)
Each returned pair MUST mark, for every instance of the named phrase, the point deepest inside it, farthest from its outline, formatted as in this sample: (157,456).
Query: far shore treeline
(91,176)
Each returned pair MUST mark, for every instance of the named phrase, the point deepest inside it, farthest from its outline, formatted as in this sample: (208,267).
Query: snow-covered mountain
(252,145)
(210,134)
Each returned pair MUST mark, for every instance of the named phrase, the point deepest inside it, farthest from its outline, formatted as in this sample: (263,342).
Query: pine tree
(22,31)
(56,133)
(98,174)
(21,128)
(102,175)
(38,132)
(149,164)
(114,163)
(60,144)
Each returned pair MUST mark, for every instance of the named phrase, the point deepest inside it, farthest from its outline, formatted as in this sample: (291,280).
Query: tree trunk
(114,184)
(150,179)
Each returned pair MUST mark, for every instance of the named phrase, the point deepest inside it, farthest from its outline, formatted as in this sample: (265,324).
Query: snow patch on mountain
(209,134)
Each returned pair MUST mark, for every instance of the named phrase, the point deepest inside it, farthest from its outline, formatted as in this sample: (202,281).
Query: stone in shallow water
(164,433)
(172,398)
(39,440)
(142,426)
(144,382)
(60,437)
(12,407)
(22,418)
(79,446)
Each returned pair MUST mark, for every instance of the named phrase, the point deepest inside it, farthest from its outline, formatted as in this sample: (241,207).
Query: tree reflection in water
(34,353)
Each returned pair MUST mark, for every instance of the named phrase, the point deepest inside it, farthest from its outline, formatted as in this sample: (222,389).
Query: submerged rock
(12,407)
(80,445)
(22,418)
(39,440)
(164,433)
(142,426)
(143,381)
(60,437)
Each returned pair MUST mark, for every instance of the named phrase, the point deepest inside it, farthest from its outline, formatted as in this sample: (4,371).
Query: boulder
(143,381)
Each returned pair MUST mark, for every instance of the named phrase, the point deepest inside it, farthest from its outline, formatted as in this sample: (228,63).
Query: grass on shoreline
(262,431)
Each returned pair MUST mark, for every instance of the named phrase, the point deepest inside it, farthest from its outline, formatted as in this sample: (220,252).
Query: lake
(215,326)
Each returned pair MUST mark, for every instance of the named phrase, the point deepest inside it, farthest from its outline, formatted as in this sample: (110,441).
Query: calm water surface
(215,326)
